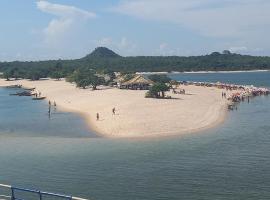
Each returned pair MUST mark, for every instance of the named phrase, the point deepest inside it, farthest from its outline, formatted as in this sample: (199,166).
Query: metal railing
(40,194)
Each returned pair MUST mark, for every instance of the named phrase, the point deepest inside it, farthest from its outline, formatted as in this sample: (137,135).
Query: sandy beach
(136,116)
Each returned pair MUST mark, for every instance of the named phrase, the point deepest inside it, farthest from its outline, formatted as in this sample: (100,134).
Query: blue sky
(53,29)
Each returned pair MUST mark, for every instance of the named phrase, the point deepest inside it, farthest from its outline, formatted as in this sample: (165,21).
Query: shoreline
(90,125)
(203,72)
(138,117)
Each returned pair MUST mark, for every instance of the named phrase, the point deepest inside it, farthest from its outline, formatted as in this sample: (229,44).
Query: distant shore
(203,72)
(136,116)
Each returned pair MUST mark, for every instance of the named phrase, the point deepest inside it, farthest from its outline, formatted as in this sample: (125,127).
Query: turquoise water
(246,78)
(21,116)
(228,162)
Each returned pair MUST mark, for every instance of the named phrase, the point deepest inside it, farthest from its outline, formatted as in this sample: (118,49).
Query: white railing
(39,193)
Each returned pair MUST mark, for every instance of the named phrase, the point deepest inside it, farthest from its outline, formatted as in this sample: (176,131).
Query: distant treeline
(105,60)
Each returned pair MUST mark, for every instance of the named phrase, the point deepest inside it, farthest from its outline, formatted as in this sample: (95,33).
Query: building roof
(139,79)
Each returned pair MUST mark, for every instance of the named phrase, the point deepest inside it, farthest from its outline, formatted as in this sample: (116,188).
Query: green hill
(102,52)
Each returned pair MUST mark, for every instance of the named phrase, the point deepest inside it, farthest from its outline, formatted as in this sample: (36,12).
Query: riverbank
(204,72)
(136,116)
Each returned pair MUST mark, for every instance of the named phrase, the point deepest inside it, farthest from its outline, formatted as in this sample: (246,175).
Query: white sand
(136,116)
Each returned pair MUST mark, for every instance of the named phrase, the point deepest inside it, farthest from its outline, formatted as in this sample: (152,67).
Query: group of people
(98,116)
(224,95)
(38,94)
(181,91)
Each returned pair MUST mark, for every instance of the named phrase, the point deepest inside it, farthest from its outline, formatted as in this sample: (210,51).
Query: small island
(129,104)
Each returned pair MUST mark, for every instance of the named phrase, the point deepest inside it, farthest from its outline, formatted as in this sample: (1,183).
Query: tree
(56,75)
(226,52)
(215,54)
(16,74)
(7,75)
(157,89)
(58,66)
(111,74)
(159,78)
(35,75)
(95,81)
(57,71)
(83,83)
(84,78)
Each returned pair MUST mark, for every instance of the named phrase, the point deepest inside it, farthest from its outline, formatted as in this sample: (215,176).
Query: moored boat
(24,93)
(14,86)
(39,98)
(31,89)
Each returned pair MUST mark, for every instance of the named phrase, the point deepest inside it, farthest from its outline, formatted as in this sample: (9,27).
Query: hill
(102,52)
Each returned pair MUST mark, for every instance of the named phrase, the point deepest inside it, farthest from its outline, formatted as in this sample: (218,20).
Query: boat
(30,89)
(38,98)
(14,193)
(14,86)
(24,93)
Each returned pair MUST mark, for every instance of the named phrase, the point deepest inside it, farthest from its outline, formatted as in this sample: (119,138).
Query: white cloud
(63,10)
(104,42)
(124,43)
(223,18)
(238,49)
(246,50)
(164,49)
(163,46)
(67,18)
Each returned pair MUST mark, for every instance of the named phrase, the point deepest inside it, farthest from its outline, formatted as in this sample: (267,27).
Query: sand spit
(136,116)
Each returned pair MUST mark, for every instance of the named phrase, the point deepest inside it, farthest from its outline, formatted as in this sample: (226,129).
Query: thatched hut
(139,82)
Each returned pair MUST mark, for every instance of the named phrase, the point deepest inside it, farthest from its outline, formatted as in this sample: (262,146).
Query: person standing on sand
(97,116)
(113,111)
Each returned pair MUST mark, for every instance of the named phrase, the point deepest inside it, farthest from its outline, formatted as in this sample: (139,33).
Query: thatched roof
(139,79)
(120,79)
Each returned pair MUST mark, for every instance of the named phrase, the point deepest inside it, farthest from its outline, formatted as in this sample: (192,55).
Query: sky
(68,29)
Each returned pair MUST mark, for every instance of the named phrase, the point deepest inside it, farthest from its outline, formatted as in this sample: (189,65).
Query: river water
(60,155)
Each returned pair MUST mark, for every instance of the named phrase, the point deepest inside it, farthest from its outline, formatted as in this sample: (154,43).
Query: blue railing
(39,194)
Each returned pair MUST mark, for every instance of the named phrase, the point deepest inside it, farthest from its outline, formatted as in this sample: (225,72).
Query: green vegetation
(103,60)
(157,90)
(85,78)
(102,52)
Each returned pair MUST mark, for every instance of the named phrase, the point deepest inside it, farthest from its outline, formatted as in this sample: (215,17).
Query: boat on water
(14,193)
(14,86)
(38,98)
(24,93)
(29,89)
